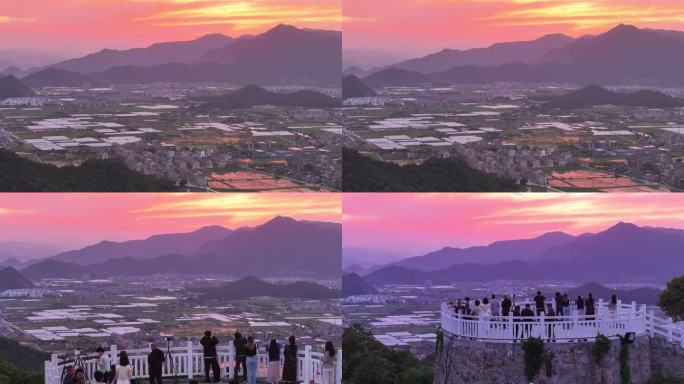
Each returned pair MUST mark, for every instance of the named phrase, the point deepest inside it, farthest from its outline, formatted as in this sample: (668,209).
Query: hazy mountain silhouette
(153,246)
(54,77)
(497,54)
(253,95)
(353,284)
(647,296)
(621,253)
(595,95)
(280,247)
(499,251)
(284,54)
(622,55)
(156,54)
(10,278)
(254,287)
(352,86)
(10,86)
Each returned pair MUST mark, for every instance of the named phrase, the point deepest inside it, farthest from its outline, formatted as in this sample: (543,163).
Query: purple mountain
(497,54)
(156,54)
(500,251)
(157,245)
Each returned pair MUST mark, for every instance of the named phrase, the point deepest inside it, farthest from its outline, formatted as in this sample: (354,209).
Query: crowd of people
(560,305)
(245,368)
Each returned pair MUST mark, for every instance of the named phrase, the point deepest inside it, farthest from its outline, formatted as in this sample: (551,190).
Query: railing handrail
(189,361)
(625,318)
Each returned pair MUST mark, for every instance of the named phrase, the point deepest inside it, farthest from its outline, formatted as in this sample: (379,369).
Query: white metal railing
(188,361)
(567,328)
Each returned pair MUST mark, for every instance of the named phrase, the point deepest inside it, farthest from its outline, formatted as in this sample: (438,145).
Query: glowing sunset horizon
(426,222)
(419,27)
(82,219)
(78,27)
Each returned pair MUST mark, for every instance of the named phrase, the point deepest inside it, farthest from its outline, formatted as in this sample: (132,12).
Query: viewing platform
(562,329)
(188,361)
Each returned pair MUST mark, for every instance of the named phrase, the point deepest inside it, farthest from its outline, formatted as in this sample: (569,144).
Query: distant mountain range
(280,247)
(621,253)
(648,296)
(254,95)
(153,246)
(595,95)
(10,86)
(10,278)
(282,55)
(622,55)
(250,286)
(352,86)
(353,284)
(156,54)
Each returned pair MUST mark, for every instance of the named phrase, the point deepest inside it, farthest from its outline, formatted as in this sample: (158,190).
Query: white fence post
(338,365)
(231,361)
(113,354)
(681,334)
(307,364)
(190,361)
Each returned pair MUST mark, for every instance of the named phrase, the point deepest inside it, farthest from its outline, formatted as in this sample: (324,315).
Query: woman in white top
(329,363)
(124,372)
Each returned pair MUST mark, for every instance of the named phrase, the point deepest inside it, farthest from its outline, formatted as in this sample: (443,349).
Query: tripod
(168,359)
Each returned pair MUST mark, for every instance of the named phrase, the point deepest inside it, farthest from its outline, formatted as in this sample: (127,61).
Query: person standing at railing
(558,300)
(496,306)
(566,305)
(612,307)
(290,365)
(526,317)
(506,305)
(209,344)
(539,302)
(252,360)
(329,363)
(104,364)
(273,362)
(516,315)
(239,343)
(579,303)
(123,372)
(155,362)
(550,318)
(590,307)
(486,308)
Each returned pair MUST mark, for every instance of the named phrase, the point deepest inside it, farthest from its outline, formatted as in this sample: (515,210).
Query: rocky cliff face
(472,362)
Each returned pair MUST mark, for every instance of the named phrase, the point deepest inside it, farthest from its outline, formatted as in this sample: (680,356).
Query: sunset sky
(424,222)
(71,27)
(417,27)
(82,219)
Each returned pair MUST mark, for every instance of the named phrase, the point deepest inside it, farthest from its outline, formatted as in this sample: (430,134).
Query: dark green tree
(672,299)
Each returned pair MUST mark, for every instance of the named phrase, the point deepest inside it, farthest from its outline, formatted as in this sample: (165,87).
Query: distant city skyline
(425,222)
(78,220)
(419,27)
(78,27)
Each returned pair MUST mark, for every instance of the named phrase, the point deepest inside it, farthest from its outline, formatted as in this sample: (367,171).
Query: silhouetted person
(273,362)
(539,301)
(155,362)
(558,299)
(527,313)
(550,317)
(580,306)
(80,377)
(506,305)
(612,306)
(290,365)
(209,344)
(240,356)
(590,306)
(99,377)
(496,306)
(251,351)
(516,319)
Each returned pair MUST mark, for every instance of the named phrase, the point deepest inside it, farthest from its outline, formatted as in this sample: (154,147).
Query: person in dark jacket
(539,303)
(290,364)
(209,344)
(506,305)
(526,314)
(590,307)
(240,344)
(155,362)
